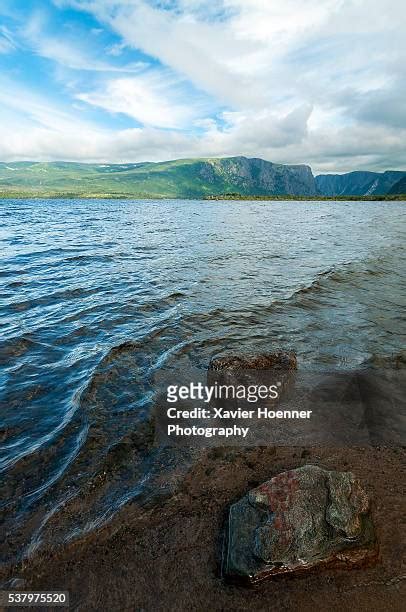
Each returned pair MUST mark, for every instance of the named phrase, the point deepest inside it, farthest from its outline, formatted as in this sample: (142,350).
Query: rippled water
(98,295)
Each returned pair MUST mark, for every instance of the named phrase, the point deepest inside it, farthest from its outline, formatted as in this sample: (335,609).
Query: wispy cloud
(68,51)
(151,99)
(70,56)
(7,42)
(38,111)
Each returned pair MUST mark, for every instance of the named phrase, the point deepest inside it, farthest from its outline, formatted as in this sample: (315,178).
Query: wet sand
(167,557)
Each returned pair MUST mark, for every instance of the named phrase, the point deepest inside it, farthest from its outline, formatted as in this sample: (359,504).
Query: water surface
(165,281)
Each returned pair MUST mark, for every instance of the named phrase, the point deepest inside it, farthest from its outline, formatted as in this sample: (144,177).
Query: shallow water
(174,281)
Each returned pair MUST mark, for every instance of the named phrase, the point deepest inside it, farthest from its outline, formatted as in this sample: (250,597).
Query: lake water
(165,281)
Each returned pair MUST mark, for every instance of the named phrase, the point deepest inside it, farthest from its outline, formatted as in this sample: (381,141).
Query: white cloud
(150,98)
(319,82)
(57,135)
(200,51)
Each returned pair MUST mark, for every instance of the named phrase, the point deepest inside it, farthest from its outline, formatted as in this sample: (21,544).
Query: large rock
(296,521)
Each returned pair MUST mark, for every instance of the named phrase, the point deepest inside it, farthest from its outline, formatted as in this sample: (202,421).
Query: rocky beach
(168,556)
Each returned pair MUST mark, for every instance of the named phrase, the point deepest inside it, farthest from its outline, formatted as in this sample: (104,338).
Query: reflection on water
(167,282)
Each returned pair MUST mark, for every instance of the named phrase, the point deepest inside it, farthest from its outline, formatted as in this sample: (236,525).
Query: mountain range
(358,183)
(191,178)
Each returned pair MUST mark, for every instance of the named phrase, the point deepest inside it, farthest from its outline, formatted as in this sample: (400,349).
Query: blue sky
(315,81)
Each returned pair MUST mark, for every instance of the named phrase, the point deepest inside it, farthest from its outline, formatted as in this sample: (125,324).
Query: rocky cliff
(399,188)
(254,176)
(358,183)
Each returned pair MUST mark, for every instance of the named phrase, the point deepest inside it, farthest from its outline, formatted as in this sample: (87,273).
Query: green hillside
(186,178)
(237,177)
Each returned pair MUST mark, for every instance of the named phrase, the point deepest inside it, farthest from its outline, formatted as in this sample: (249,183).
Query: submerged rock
(279,360)
(298,520)
(260,369)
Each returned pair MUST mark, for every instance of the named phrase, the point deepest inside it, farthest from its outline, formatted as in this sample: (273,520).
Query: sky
(321,82)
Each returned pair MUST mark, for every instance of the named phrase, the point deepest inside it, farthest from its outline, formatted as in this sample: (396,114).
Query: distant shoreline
(10,195)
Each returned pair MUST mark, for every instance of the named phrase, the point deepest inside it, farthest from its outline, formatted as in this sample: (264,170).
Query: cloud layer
(319,82)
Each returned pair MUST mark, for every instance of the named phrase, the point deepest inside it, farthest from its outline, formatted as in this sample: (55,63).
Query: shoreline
(168,556)
(215,198)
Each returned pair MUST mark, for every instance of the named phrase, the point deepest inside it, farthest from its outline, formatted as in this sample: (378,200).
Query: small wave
(89,258)
(105,450)
(32,255)
(15,284)
(57,297)
(316,284)
(349,272)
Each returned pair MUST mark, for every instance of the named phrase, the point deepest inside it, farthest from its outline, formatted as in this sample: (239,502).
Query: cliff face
(257,177)
(358,183)
(399,188)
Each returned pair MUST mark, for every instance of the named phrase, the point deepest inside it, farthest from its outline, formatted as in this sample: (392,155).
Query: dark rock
(296,521)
